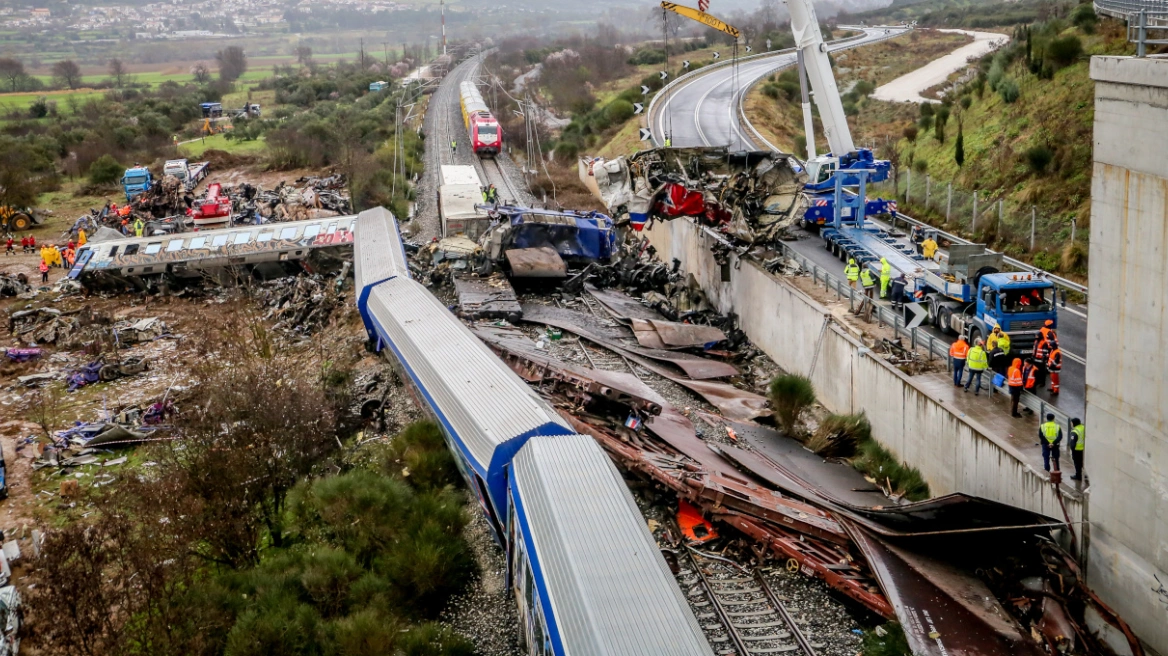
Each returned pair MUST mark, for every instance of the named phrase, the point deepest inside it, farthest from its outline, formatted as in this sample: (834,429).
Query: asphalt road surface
(701,112)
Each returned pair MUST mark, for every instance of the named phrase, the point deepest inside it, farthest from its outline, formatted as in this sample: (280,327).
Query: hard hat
(1049,322)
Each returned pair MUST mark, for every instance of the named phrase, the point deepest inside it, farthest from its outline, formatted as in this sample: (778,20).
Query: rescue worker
(492,194)
(852,271)
(139,226)
(868,281)
(453,147)
(1041,355)
(1054,364)
(885,277)
(81,238)
(929,247)
(1045,330)
(898,285)
(31,244)
(1078,441)
(958,352)
(1028,375)
(669,142)
(69,255)
(1015,381)
(1004,342)
(44,271)
(1050,435)
(978,362)
(10,249)
(992,340)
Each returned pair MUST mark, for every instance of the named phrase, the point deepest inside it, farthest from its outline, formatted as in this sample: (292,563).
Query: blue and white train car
(587,574)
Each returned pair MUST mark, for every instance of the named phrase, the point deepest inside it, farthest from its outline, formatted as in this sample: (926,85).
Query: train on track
(586,573)
(486,137)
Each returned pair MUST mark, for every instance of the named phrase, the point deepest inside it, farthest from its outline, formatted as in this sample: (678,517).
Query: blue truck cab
(136,180)
(1018,303)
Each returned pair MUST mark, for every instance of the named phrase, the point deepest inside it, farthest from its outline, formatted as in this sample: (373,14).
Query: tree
(201,72)
(232,63)
(12,71)
(67,73)
(303,55)
(911,133)
(118,72)
(959,147)
(104,170)
(1065,51)
(939,133)
(19,184)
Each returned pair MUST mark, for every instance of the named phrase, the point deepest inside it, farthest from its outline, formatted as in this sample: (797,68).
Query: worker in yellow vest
(885,277)
(1050,435)
(868,281)
(1078,441)
(852,271)
(929,247)
(977,362)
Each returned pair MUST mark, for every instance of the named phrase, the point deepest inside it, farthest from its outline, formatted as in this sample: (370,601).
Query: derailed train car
(541,486)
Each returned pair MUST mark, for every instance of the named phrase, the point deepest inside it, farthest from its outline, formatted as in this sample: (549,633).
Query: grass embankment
(1029,144)
(195,149)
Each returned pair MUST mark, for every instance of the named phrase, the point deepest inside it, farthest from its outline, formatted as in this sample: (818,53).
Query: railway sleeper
(774,637)
(752,613)
(784,649)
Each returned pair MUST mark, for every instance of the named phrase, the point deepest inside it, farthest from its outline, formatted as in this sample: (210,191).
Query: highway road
(701,111)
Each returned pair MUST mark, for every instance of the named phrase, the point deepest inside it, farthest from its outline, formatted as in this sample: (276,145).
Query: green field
(195,149)
(10,101)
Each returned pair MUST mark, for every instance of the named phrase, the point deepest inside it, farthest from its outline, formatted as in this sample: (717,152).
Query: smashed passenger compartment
(753,196)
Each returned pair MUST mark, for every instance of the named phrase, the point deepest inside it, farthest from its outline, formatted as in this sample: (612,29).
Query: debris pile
(303,304)
(14,285)
(81,328)
(754,197)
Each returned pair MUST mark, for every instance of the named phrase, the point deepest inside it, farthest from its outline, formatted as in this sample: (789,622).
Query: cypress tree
(959,148)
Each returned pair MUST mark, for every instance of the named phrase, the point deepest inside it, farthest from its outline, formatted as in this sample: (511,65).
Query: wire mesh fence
(984,217)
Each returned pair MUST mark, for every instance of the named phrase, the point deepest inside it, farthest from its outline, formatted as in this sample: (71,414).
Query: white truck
(190,174)
(459,190)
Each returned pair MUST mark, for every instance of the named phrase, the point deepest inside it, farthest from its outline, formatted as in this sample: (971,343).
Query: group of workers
(490,194)
(1029,374)
(864,277)
(27,245)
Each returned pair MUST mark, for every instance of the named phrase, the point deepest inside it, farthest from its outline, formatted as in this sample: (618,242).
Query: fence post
(908,187)
(1072,231)
(1141,48)
(1033,222)
(949,202)
(999,216)
(928,189)
(973,225)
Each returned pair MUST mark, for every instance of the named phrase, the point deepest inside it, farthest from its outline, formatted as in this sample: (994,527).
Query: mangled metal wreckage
(753,196)
(962,575)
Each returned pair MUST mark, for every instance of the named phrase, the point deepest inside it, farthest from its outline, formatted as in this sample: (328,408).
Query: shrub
(618,111)
(926,122)
(927,109)
(839,435)
(864,87)
(898,478)
(791,394)
(1074,258)
(105,170)
(939,133)
(1008,89)
(911,133)
(921,166)
(647,56)
(966,101)
(1039,157)
(566,151)
(432,639)
(421,449)
(1065,50)
(1084,15)
(886,640)
(39,108)
(942,114)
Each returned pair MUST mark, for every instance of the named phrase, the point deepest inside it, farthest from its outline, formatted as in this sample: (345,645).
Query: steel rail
(804,643)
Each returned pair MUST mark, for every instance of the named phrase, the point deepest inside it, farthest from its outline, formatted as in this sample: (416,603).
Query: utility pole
(442,5)
(949,202)
(973,226)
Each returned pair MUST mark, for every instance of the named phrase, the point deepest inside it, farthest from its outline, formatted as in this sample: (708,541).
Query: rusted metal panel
(623,306)
(541,262)
(961,617)
(487,298)
(684,335)
(589,328)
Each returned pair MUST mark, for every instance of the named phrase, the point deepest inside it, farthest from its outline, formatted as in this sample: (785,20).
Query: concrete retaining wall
(953,453)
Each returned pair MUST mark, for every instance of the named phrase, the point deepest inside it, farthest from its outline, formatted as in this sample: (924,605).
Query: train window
(242,238)
(312,231)
(332,227)
(131,249)
(153,248)
(488,130)
(198,242)
(287,233)
(265,236)
(174,245)
(113,251)
(219,240)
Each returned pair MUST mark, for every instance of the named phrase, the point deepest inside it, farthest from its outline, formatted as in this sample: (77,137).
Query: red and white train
(486,139)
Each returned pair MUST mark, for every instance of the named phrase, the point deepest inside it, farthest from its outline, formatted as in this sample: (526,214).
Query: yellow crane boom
(701,17)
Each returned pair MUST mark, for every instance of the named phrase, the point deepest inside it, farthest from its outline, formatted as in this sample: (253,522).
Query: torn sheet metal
(683,335)
(585,326)
(623,306)
(487,298)
(534,366)
(961,617)
(540,262)
(733,402)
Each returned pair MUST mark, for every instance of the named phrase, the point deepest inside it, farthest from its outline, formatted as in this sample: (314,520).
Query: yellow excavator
(13,219)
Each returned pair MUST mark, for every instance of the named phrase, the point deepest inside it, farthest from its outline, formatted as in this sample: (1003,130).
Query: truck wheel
(974,335)
(21,221)
(945,321)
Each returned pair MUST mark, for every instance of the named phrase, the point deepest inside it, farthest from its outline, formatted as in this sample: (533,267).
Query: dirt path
(908,88)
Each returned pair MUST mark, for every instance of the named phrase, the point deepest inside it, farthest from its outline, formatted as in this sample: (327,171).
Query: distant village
(172,20)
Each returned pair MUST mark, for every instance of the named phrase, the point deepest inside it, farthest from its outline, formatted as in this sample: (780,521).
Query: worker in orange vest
(959,352)
(1014,380)
(1046,329)
(1028,374)
(1041,354)
(1054,364)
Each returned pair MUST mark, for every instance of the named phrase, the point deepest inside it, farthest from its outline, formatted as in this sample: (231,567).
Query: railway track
(493,173)
(737,609)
